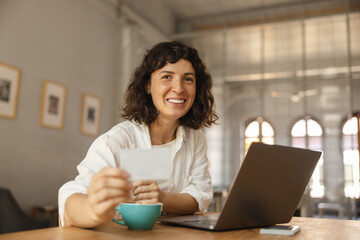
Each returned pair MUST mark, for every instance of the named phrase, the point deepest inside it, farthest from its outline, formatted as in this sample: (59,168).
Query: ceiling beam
(310,13)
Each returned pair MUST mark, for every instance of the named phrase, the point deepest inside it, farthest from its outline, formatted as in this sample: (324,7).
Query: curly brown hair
(138,105)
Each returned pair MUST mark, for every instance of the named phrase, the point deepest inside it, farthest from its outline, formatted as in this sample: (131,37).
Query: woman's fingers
(106,209)
(111,172)
(143,182)
(148,196)
(107,189)
(143,186)
(146,190)
(109,178)
(106,194)
(109,183)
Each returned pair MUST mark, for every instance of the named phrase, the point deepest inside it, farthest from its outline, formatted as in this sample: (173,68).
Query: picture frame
(53,105)
(90,114)
(9,90)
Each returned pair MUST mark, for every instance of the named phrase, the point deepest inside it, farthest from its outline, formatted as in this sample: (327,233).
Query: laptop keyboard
(211,220)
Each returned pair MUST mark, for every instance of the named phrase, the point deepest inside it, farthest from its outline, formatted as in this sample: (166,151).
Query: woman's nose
(178,85)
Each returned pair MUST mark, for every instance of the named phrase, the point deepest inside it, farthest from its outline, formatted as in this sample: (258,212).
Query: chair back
(12,217)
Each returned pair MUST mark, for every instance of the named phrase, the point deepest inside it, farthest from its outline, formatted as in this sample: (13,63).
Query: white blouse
(189,175)
(163,184)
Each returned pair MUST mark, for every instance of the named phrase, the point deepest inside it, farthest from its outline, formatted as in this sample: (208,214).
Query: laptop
(266,190)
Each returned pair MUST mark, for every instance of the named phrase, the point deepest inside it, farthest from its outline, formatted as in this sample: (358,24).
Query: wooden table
(311,228)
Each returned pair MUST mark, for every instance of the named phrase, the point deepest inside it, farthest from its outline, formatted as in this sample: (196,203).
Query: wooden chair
(13,218)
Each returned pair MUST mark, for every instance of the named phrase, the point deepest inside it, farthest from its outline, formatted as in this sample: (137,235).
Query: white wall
(70,42)
(84,45)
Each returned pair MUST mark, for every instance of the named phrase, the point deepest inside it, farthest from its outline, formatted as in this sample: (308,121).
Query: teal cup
(139,216)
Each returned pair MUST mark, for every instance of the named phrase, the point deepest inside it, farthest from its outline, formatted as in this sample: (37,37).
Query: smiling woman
(166,103)
(173,89)
(139,104)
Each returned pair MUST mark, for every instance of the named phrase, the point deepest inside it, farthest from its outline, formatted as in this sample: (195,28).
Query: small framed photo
(53,105)
(90,116)
(9,89)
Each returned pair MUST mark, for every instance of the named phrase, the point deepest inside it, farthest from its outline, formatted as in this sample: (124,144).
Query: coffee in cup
(137,216)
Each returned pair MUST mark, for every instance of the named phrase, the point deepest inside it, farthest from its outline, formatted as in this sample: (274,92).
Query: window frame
(306,118)
(341,147)
(255,119)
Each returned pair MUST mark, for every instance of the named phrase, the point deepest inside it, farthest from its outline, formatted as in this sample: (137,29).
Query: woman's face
(173,89)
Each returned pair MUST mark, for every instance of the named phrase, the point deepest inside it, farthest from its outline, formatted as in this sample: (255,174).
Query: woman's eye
(166,77)
(189,79)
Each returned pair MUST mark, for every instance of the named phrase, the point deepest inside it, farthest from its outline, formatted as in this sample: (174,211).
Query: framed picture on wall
(90,116)
(53,105)
(9,89)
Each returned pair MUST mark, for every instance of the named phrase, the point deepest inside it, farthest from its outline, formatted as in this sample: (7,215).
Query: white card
(146,164)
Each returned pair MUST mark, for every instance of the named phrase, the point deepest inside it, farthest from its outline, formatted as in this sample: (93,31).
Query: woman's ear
(148,88)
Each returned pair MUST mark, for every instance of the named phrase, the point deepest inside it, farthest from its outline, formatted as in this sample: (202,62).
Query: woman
(166,103)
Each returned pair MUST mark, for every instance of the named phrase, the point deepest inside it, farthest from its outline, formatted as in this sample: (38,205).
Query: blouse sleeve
(200,187)
(98,156)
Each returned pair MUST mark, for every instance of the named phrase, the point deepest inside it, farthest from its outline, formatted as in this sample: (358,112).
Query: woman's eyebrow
(189,74)
(170,72)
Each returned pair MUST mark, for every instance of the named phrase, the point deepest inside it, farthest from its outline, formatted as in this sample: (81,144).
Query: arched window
(258,131)
(350,145)
(307,133)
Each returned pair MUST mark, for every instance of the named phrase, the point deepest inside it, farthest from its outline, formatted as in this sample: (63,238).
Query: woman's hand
(147,191)
(178,203)
(107,189)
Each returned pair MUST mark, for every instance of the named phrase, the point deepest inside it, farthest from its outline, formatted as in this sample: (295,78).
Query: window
(214,153)
(307,133)
(350,149)
(258,131)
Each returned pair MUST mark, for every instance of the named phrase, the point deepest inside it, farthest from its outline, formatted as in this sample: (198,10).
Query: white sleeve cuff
(65,192)
(202,198)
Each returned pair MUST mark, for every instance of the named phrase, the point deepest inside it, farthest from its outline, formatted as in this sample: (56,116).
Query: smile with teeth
(172,100)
